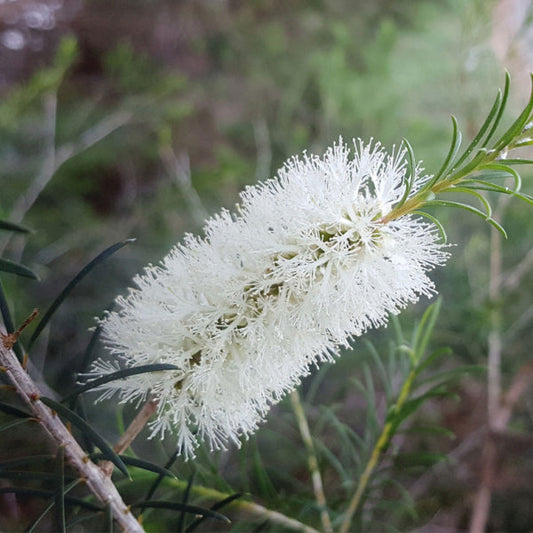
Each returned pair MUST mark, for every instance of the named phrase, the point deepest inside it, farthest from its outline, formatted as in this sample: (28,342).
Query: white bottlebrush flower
(247,310)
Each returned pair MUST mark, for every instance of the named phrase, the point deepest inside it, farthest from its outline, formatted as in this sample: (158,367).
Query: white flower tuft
(246,311)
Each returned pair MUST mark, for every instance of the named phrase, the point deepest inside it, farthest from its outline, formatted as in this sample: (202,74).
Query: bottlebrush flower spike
(305,265)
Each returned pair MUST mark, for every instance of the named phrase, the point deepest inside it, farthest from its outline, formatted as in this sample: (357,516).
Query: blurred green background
(141,118)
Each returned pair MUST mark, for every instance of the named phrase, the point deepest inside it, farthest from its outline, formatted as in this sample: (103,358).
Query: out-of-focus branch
(48,167)
(179,168)
(481,508)
(494,338)
(264,149)
(511,279)
(521,382)
(318,487)
(55,158)
(93,135)
(98,483)
(489,457)
(499,407)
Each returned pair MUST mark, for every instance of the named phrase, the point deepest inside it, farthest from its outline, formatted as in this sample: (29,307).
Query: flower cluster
(307,263)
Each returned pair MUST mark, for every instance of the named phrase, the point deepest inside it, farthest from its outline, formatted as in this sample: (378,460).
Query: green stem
(379,448)
(244,509)
(450,180)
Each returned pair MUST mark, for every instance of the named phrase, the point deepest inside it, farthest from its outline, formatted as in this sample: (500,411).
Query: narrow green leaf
(318,379)
(453,374)
(411,349)
(85,428)
(452,152)
(265,485)
(13,411)
(350,439)
(432,430)
(518,161)
(412,405)
(432,357)
(377,525)
(498,226)
(177,506)
(25,474)
(89,351)
(408,505)
(411,171)
(437,223)
(502,167)
(160,478)
(4,309)
(215,507)
(137,463)
(244,470)
(487,185)
(492,113)
(14,424)
(68,289)
(77,405)
(11,463)
(398,332)
(59,498)
(8,323)
(120,374)
(525,142)
(372,422)
(80,519)
(488,175)
(517,125)
(408,408)
(11,226)
(427,324)
(226,501)
(15,268)
(411,355)
(380,368)
(468,168)
(336,464)
(184,500)
(492,187)
(465,190)
(488,188)
(472,209)
(93,342)
(49,494)
(261,526)
(49,507)
(501,109)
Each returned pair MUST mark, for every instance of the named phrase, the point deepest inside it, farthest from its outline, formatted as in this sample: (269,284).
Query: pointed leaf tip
(73,283)
(11,226)
(87,430)
(17,269)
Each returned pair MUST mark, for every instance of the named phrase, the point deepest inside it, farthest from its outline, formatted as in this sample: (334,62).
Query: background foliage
(140,118)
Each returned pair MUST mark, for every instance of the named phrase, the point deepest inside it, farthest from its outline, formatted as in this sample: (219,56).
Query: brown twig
(131,433)
(9,339)
(99,484)
(499,406)
(489,456)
